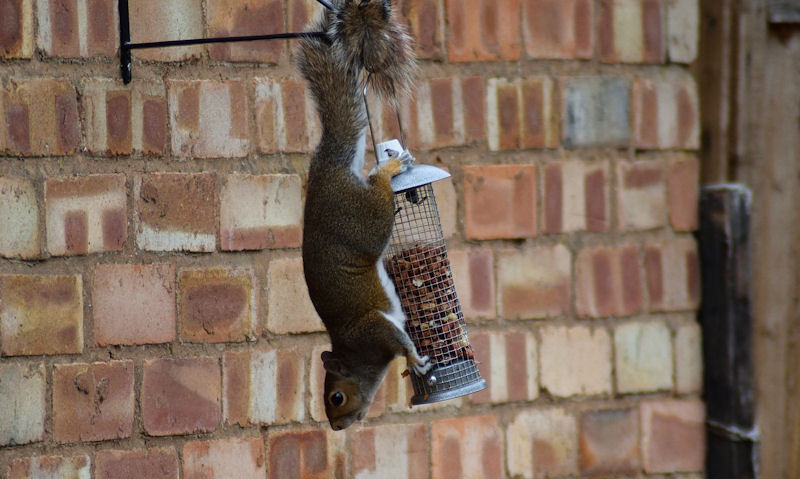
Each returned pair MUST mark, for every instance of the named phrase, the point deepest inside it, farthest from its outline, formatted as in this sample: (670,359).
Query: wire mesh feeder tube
(418,264)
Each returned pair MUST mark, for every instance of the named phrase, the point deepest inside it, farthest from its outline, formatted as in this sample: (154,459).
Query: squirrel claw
(394,166)
(420,364)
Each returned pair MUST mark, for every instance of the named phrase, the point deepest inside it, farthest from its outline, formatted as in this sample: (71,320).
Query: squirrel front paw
(393,166)
(419,364)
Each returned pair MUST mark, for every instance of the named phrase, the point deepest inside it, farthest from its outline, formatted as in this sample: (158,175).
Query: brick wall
(153,315)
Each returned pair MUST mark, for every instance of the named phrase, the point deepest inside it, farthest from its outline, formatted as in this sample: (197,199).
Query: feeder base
(454,380)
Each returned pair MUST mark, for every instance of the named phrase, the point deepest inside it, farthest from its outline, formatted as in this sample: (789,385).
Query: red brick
(666,112)
(575,196)
(631,31)
(22,393)
(641,195)
(483,30)
(180,396)
(42,117)
(19,213)
(307,454)
(92,402)
(426,19)
(16,31)
(151,22)
(86,214)
(69,30)
(134,304)
(673,435)
(608,441)
(398,451)
(500,201)
(157,463)
(673,276)
(150,113)
(284,115)
(609,282)
(299,13)
(176,211)
(467,448)
(209,118)
(217,305)
(108,111)
(683,185)
(473,271)
(44,467)
(252,17)
(234,457)
(542,443)
(522,114)
(534,283)
(41,314)
(473,98)
(508,363)
(558,28)
(442,106)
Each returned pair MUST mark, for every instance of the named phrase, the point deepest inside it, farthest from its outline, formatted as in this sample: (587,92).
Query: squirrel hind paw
(420,365)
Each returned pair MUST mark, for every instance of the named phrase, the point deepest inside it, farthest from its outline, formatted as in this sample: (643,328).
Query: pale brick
(666,112)
(51,467)
(19,215)
(596,111)
(234,457)
(86,214)
(258,212)
(609,282)
(134,304)
(509,363)
(473,273)
(558,28)
(576,196)
(683,30)
(689,359)
(209,119)
(500,201)
(290,308)
(522,113)
(240,18)
(542,444)
(673,435)
(609,441)
(22,390)
(153,20)
(396,451)
(673,275)
(641,195)
(313,453)
(643,357)
(156,463)
(575,360)
(630,31)
(447,205)
(16,31)
(41,314)
(70,28)
(534,283)
(467,448)
(286,119)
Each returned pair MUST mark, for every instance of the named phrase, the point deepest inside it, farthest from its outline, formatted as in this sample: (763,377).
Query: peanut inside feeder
(418,264)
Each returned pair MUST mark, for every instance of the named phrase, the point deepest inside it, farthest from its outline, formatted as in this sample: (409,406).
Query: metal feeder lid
(415,175)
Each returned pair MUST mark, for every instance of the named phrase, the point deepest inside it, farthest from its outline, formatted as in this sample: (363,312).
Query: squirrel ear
(333,365)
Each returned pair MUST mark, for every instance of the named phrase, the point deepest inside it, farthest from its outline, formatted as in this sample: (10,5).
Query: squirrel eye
(337,399)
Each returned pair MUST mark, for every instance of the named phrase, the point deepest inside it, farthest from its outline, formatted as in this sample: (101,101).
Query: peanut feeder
(417,263)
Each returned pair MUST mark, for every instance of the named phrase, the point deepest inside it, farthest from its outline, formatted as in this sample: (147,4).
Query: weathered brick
(500,201)
(71,28)
(19,215)
(643,357)
(263,387)
(609,282)
(209,118)
(217,305)
(596,111)
(22,390)
(473,272)
(542,443)
(467,447)
(673,435)
(175,211)
(309,453)
(156,463)
(630,31)
(558,28)
(41,314)
(609,442)
(299,13)
(180,396)
(673,275)
(40,117)
(683,185)
(151,21)
(426,25)
(440,116)
(683,30)
(108,116)
(666,112)
(575,196)
(93,402)
(575,360)
(689,359)
(483,30)
(86,214)
(16,31)
(252,17)
(232,457)
(134,304)
(149,117)
(522,113)
(290,308)
(286,119)
(51,467)
(396,451)
(446,197)
(641,195)
(258,212)
(508,362)
(473,101)
(534,283)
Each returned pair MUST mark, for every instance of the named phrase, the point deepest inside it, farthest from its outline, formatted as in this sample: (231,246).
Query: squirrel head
(347,397)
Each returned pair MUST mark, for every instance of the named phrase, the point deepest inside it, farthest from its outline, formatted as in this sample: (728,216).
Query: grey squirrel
(348,218)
